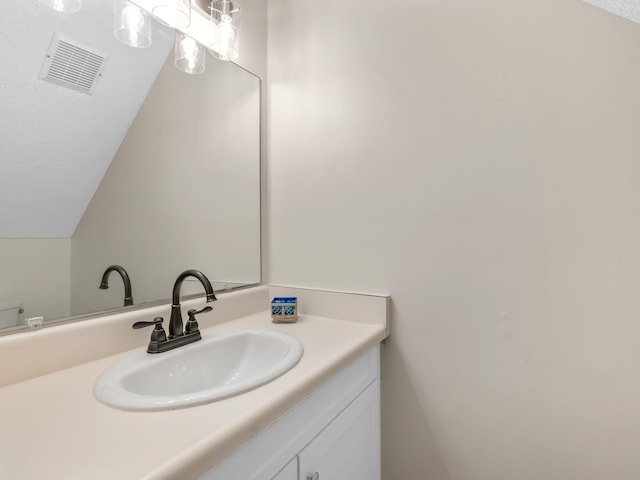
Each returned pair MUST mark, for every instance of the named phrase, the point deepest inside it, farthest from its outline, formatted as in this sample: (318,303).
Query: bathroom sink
(212,369)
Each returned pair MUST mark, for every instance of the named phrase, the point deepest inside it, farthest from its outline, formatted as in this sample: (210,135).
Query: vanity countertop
(52,426)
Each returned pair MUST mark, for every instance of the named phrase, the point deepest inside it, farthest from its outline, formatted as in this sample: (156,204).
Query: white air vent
(72,65)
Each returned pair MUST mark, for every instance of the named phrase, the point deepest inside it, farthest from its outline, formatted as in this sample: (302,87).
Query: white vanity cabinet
(334,434)
(289,472)
(348,448)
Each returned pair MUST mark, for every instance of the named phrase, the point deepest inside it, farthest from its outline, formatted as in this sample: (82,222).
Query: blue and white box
(284,309)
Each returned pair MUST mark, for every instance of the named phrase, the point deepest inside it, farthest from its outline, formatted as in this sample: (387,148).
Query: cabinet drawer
(349,447)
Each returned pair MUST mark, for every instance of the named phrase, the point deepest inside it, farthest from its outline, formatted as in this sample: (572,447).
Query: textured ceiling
(629,9)
(56,143)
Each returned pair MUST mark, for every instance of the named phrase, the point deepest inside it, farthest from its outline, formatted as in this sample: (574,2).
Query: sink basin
(212,369)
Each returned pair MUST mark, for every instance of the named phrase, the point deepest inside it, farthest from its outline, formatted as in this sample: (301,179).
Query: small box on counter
(284,309)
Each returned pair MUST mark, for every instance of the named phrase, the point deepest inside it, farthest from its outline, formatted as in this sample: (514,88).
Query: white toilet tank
(9,312)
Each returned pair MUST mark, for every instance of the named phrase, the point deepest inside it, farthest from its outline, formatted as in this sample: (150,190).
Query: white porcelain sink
(211,369)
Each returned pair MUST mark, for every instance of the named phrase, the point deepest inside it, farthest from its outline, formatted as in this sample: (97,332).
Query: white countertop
(51,427)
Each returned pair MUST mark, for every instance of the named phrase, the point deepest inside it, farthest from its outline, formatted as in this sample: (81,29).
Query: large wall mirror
(156,171)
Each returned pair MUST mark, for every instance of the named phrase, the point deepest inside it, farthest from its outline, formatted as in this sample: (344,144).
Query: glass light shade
(225,16)
(173,13)
(132,25)
(63,5)
(189,54)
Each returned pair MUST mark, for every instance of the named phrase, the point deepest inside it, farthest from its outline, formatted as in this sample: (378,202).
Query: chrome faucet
(179,335)
(104,283)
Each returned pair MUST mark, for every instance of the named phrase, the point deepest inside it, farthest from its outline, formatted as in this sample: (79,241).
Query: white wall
(253,39)
(35,271)
(479,162)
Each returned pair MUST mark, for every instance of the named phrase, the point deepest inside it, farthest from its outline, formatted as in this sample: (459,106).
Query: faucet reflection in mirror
(104,283)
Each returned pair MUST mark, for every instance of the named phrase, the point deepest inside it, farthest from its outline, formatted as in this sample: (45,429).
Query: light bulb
(189,54)
(63,5)
(133,21)
(189,50)
(226,33)
(131,25)
(225,17)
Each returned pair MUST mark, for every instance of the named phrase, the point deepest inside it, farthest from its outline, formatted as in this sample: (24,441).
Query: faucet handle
(192,323)
(194,312)
(158,334)
(156,321)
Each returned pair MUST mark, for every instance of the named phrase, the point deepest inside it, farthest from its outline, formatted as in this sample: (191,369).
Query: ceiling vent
(72,65)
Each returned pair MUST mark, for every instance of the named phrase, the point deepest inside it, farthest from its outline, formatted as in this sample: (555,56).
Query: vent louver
(72,65)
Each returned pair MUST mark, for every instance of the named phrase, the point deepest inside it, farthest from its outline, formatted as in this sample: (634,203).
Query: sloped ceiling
(56,143)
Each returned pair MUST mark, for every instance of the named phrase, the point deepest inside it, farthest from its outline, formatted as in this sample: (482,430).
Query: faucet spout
(104,283)
(175,322)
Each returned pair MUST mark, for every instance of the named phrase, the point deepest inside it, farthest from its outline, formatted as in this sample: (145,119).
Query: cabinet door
(290,472)
(349,447)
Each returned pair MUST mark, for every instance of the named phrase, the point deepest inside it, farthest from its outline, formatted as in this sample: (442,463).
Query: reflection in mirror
(126,281)
(156,171)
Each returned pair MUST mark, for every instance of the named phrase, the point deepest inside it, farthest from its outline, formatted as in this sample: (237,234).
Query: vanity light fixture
(173,13)
(132,25)
(189,54)
(63,5)
(214,23)
(225,18)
